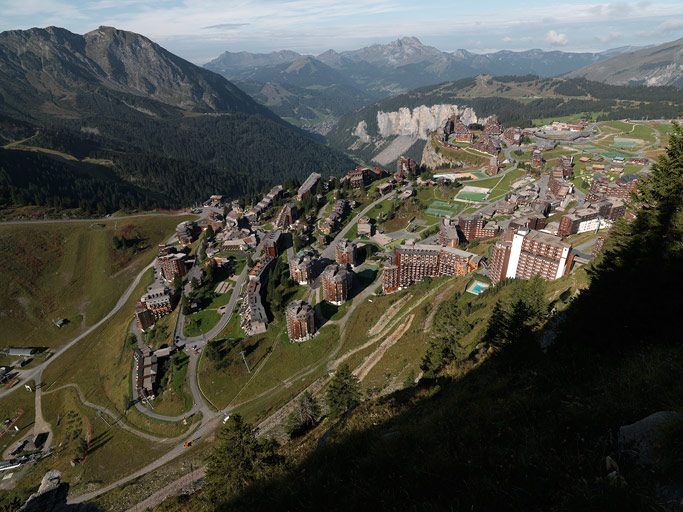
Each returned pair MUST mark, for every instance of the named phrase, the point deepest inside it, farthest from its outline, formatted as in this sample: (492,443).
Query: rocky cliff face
(433,160)
(420,121)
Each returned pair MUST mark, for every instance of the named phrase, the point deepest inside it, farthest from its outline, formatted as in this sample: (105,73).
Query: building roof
(299,309)
(346,245)
(546,238)
(335,273)
(310,182)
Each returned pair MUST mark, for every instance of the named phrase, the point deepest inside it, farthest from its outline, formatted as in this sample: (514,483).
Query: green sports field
(471,196)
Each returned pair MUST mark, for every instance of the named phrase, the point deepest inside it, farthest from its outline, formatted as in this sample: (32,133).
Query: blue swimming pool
(477,287)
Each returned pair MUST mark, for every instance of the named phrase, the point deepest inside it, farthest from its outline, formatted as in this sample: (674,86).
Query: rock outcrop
(421,121)
(51,497)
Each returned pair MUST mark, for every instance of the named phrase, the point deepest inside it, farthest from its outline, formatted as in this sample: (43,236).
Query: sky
(199,30)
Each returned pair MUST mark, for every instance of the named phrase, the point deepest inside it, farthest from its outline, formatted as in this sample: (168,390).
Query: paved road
(27,375)
(328,252)
(116,419)
(96,219)
(200,340)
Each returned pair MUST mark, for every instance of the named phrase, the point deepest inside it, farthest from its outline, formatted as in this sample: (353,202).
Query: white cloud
(556,38)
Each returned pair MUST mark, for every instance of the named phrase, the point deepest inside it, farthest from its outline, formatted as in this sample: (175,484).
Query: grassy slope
(522,430)
(67,270)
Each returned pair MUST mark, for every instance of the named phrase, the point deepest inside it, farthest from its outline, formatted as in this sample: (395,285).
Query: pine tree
(343,392)
(238,460)
(304,416)
(210,234)
(497,330)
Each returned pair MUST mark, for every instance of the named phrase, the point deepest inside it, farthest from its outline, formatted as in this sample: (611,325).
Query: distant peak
(409,41)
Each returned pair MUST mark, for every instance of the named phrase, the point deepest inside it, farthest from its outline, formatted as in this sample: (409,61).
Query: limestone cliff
(420,121)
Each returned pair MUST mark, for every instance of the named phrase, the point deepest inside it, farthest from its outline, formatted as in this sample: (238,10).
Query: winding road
(34,373)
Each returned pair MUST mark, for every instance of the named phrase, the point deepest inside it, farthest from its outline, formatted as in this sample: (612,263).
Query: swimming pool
(477,287)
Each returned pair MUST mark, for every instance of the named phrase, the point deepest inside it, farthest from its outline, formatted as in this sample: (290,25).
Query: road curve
(27,375)
(328,252)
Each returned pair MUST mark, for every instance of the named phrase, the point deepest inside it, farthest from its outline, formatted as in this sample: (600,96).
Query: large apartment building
(410,264)
(591,217)
(448,233)
(272,243)
(308,186)
(461,133)
(301,268)
(475,227)
(172,265)
(286,216)
(253,317)
(345,252)
(621,188)
(300,320)
(525,253)
(336,283)
(159,300)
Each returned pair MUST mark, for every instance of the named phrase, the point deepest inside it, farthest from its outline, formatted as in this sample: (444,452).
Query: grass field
(10,407)
(201,322)
(68,270)
(100,365)
(271,358)
(444,209)
(173,396)
(113,453)
(163,331)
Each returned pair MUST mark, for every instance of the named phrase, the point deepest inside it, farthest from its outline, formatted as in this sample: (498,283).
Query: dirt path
(362,371)
(186,483)
(388,315)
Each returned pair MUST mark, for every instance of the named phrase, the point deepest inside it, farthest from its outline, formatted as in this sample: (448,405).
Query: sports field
(471,196)
(444,209)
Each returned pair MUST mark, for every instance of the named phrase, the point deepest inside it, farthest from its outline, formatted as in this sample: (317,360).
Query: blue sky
(200,30)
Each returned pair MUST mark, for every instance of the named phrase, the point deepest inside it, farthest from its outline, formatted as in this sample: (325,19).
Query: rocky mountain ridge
(652,66)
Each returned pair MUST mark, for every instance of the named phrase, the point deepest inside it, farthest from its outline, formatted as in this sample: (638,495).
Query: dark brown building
(345,253)
(300,321)
(336,283)
(172,265)
(475,227)
(413,263)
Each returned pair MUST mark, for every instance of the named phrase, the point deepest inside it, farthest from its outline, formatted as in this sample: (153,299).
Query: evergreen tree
(304,416)
(238,460)
(343,392)
(497,329)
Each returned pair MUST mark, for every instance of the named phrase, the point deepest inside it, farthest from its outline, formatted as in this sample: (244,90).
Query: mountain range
(173,131)
(314,91)
(658,65)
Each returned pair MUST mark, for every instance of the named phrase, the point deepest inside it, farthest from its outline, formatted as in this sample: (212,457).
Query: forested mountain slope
(111,94)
